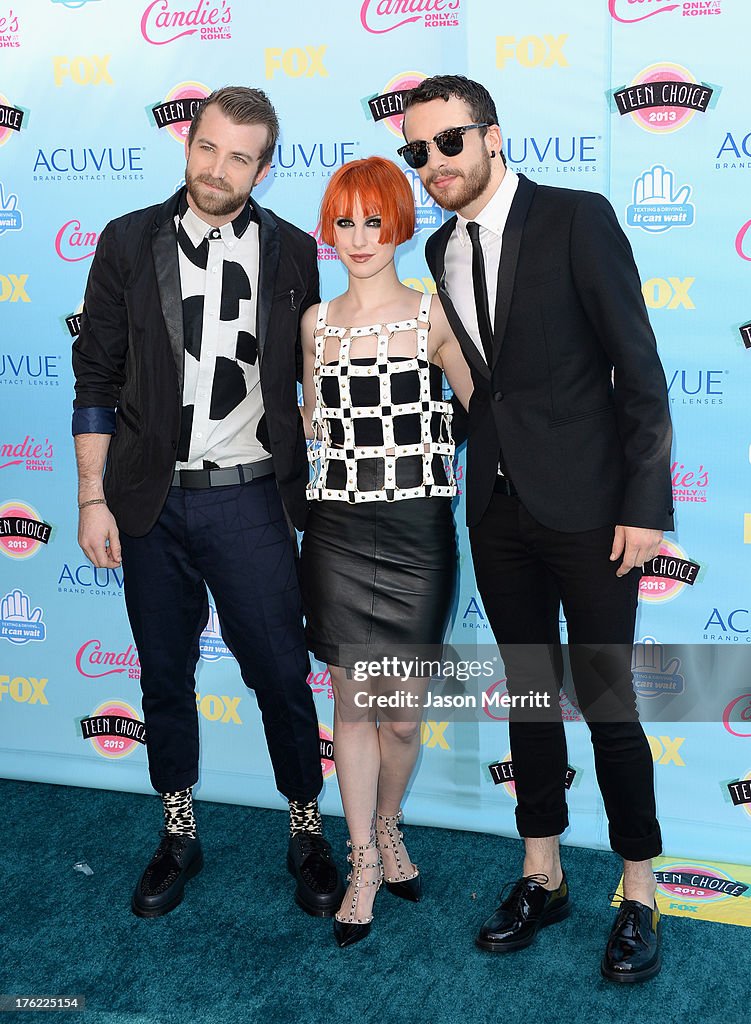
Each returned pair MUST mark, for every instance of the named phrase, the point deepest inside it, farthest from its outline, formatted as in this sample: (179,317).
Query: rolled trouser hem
(174,783)
(541,826)
(643,848)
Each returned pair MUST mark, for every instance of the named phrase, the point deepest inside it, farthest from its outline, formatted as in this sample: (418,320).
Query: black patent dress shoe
(160,888)
(319,888)
(526,909)
(633,949)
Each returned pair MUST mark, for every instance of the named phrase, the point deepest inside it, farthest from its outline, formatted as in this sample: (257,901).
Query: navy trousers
(236,540)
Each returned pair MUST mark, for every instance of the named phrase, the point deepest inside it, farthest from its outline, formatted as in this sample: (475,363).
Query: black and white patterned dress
(379,550)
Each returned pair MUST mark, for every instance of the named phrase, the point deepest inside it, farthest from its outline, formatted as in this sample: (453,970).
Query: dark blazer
(130,355)
(569,319)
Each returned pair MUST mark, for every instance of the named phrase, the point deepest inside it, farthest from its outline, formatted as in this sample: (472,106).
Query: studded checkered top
(382,429)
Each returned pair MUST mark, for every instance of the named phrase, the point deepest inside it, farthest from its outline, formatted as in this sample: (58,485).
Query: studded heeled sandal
(349,927)
(407,883)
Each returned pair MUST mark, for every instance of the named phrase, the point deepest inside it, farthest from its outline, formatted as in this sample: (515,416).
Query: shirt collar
(494,214)
(197,229)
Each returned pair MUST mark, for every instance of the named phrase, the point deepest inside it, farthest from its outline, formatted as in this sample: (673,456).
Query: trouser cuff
(643,848)
(539,826)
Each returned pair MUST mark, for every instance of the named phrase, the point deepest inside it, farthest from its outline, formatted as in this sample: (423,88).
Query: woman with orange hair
(379,551)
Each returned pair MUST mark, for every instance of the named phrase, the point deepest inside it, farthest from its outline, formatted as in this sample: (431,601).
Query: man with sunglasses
(568,486)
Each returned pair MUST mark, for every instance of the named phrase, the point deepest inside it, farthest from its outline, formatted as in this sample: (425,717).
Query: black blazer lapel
(512,240)
(268,264)
(435,252)
(167,269)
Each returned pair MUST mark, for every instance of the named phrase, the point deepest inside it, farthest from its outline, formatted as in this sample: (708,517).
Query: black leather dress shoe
(526,909)
(160,887)
(633,949)
(319,890)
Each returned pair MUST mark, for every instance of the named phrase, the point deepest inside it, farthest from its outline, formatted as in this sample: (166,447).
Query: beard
(475,181)
(216,204)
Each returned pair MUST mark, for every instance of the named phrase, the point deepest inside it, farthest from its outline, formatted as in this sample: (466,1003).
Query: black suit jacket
(130,354)
(569,320)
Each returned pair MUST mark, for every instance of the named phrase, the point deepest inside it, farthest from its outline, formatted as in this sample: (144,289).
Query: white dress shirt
(458,277)
(222,403)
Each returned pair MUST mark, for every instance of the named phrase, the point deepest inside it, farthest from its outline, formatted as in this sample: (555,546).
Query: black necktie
(481,292)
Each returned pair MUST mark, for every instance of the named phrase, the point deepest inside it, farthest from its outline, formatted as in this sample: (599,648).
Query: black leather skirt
(377,575)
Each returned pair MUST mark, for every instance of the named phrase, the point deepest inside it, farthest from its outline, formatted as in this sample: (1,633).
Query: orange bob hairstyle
(381,187)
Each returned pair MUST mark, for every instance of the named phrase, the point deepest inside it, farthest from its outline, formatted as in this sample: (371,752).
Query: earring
(492,153)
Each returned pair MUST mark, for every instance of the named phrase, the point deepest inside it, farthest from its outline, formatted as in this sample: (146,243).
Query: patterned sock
(178,813)
(304,817)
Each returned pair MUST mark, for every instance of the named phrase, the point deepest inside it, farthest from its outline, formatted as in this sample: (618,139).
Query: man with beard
(568,486)
(185,370)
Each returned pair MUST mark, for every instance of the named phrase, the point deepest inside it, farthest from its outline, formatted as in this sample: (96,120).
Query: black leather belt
(222,477)
(503,485)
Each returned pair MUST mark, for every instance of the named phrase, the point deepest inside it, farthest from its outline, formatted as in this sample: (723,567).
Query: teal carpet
(239,950)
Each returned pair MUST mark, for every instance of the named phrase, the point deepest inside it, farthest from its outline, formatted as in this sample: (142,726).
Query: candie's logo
(12,119)
(114,729)
(325,252)
(178,108)
(9,29)
(667,575)
(380,16)
(704,883)
(326,739)
(689,484)
(21,531)
(663,98)
(320,682)
(95,663)
(742,243)
(164,21)
(30,454)
(74,243)
(389,105)
(628,12)
(737,716)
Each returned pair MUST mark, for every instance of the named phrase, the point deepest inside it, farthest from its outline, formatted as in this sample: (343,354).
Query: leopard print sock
(304,817)
(178,813)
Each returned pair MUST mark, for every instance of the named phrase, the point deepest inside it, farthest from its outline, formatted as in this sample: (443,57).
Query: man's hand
(99,537)
(636,545)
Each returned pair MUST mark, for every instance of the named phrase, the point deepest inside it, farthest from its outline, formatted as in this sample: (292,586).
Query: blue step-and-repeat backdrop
(646,101)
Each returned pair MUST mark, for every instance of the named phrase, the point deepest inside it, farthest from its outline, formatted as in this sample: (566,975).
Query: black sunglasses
(450,143)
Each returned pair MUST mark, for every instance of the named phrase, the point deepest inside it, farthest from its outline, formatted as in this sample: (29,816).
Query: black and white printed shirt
(222,402)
